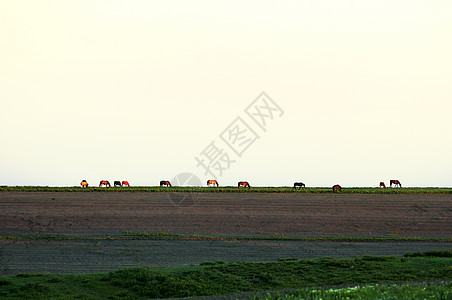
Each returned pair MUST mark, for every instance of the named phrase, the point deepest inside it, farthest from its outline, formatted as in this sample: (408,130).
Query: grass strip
(219,278)
(172,236)
(440,290)
(231,189)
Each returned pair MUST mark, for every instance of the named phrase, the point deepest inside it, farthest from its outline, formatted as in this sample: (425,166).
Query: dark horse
(244,184)
(125,183)
(105,183)
(395,182)
(212,182)
(117,183)
(382,185)
(337,188)
(298,184)
(165,183)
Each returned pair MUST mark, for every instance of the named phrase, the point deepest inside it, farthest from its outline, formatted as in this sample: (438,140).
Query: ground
(298,215)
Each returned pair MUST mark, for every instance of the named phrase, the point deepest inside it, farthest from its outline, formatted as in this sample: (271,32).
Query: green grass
(231,189)
(172,236)
(441,290)
(219,278)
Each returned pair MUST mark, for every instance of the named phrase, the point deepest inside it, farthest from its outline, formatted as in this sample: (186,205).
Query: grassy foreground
(219,278)
(441,290)
(231,189)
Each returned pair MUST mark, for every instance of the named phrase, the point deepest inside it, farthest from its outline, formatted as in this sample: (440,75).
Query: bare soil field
(94,256)
(230,214)
(220,214)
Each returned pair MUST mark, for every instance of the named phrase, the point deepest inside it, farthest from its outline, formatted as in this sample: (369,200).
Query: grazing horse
(117,183)
(212,182)
(382,185)
(395,182)
(165,183)
(84,184)
(125,183)
(104,182)
(244,184)
(298,184)
(337,188)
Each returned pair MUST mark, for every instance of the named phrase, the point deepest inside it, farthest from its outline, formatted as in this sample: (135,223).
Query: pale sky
(135,90)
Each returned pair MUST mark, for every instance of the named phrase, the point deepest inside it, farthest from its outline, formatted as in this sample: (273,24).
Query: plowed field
(295,215)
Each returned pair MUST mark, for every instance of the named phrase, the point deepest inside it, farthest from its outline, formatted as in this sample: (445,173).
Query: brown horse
(212,182)
(298,184)
(125,183)
(165,183)
(337,188)
(244,184)
(395,182)
(382,185)
(84,184)
(104,183)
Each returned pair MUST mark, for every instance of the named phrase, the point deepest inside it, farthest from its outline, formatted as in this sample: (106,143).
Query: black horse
(298,184)
(165,183)
(382,185)
(117,183)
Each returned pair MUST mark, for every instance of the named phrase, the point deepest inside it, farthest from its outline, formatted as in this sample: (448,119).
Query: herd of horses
(241,184)
(105,183)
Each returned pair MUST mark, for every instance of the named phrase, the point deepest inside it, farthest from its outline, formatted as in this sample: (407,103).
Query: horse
(337,188)
(84,184)
(395,182)
(117,183)
(165,183)
(244,184)
(382,185)
(104,182)
(125,183)
(298,184)
(212,182)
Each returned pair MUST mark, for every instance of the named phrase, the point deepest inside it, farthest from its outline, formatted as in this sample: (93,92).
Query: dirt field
(219,214)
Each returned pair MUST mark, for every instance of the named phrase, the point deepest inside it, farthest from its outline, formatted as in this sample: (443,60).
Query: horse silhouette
(84,184)
(125,183)
(244,184)
(382,185)
(337,188)
(212,182)
(395,182)
(117,183)
(104,183)
(165,183)
(298,184)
